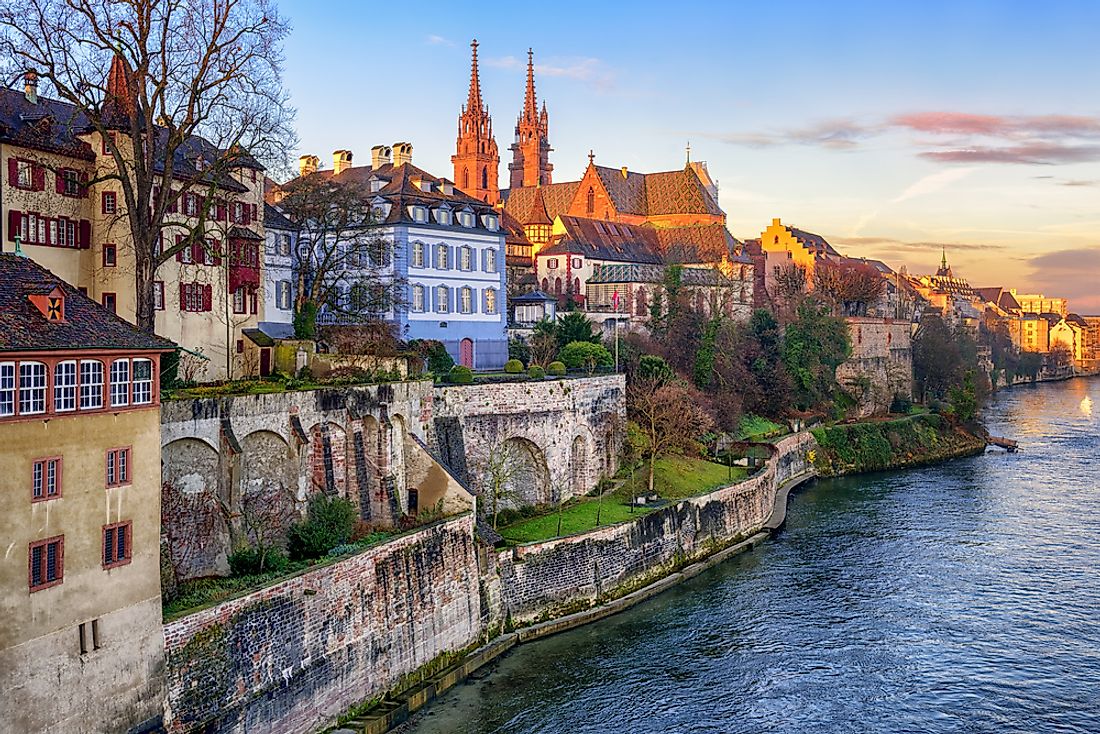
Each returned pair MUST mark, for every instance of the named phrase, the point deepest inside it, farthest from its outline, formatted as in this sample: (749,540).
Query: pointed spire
(689,152)
(119,102)
(943,261)
(530,104)
(473,102)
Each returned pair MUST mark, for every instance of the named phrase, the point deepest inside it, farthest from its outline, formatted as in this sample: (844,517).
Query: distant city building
(1039,303)
(82,647)
(280,246)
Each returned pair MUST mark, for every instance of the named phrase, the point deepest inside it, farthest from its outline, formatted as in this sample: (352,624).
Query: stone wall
(565,434)
(293,656)
(881,364)
(561,575)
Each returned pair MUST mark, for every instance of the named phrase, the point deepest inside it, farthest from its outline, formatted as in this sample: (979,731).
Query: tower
(530,164)
(476,161)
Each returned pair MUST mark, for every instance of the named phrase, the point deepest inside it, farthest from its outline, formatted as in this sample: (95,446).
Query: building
(880,366)
(1070,333)
(447,248)
(280,244)
(1039,303)
(476,160)
(205,296)
(81,648)
(1030,332)
(784,247)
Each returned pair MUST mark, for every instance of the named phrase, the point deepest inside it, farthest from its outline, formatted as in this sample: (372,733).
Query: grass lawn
(755,428)
(674,478)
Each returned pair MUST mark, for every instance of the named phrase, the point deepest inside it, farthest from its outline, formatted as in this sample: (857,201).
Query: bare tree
(499,470)
(849,288)
(182,94)
(669,417)
(343,262)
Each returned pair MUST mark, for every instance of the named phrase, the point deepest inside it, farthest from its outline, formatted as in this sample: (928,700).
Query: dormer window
(418,214)
(424,185)
(443,216)
(466,218)
(447,188)
(51,304)
(491,222)
(376,185)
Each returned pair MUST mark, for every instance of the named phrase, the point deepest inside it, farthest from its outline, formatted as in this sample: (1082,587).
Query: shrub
(557,369)
(537,373)
(460,375)
(439,359)
(329,522)
(518,349)
(344,550)
(513,366)
(652,367)
(901,404)
(249,561)
(585,355)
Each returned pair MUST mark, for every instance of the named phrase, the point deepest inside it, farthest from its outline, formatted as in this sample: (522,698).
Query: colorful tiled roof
(648,273)
(603,240)
(699,243)
(87,325)
(556,198)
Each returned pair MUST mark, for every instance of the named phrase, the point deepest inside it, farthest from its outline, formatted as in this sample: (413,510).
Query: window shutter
(197,255)
(14,222)
(38,178)
(13,171)
(44,224)
(84,190)
(59,181)
(254,213)
(217,246)
(173,205)
(452,255)
(85,234)
(247,215)
(179,253)
(221,211)
(183,294)
(207,298)
(485,300)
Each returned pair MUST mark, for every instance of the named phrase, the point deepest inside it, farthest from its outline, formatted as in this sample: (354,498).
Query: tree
(575,327)
(814,345)
(499,469)
(964,400)
(585,355)
(668,417)
(193,97)
(938,362)
(343,263)
(849,287)
(543,343)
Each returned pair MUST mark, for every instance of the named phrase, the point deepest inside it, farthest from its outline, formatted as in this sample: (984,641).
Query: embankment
(875,446)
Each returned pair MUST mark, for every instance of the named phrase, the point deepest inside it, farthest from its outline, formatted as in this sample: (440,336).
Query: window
(238,300)
(64,386)
(105,148)
(466,261)
(238,212)
(7,388)
(26,175)
(467,299)
(284,244)
(158,295)
(116,544)
(283,295)
(143,381)
(490,261)
(91,384)
(418,298)
(443,216)
(120,383)
(47,563)
(46,479)
(118,467)
(110,202)
(66,232)
(490,300)
(552,263)
(209,253)
(110,302)
(442,298)
(442,257)
(577,262)
(32,388)
(418,254)
(110,256)
(590,203)
(491,223)
(195,297)
(190,204)
(68,182)
(184,255)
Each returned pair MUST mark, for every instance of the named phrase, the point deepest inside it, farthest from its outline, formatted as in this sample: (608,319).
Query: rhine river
(963,597)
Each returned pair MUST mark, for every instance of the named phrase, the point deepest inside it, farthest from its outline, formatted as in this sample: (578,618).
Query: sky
(893,129)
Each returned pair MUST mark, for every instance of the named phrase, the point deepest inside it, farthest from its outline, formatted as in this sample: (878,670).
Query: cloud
(1031,153)
(1000,126)
(1078,182)
(931,183)
(1069,273)
(892,244)
(590,70)
(434,40)
(834,134)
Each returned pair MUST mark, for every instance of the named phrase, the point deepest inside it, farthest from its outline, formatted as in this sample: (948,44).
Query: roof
(643,243)
(646,273)
(275,219)
(999,296)
(815,242)
(700,243)
(555,198)
(535,296)
(87,325)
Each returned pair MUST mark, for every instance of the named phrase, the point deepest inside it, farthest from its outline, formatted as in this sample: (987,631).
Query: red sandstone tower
(530,164)
(476,161)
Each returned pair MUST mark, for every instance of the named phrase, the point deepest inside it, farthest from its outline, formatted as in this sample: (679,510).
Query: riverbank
(907,442)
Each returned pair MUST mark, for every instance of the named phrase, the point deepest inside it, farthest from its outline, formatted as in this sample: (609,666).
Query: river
(963,597)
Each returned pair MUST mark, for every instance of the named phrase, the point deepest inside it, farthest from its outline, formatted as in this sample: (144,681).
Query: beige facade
(1070,336)
(1039,303)
(85,653)
(1030,333)
(95,251)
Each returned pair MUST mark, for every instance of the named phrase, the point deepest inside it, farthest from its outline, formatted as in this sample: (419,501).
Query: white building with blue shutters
(448,248)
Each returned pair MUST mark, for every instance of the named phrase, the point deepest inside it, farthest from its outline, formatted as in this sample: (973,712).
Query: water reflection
(958,598)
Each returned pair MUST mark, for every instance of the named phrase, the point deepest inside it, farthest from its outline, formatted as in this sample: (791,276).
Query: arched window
(557,286)
(484,178)
(442,298)
(576,285)
(545,285)
(467,299)
(490,300)
(591,205)
(465,178)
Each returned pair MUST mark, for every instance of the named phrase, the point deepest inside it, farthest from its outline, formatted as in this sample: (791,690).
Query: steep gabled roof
(678,192)
(87,325)
(699,243)
(602,240)
(275,219)
(556,199)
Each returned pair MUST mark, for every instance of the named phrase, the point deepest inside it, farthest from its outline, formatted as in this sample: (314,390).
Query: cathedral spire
(530,164)
(473,101)
(530,103)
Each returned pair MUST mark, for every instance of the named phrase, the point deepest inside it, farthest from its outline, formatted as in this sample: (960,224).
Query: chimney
(625,172)
(402,153)
(308,164)
(380,156)
(341,161)
(30,86)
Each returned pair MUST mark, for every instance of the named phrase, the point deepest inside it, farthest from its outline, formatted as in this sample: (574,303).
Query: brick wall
(559,575)
(293,656)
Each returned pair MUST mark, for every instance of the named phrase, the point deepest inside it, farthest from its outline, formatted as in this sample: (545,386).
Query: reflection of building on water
(1086,406)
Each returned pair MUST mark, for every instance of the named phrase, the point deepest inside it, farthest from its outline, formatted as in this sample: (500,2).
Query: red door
(466,353)
(265,362)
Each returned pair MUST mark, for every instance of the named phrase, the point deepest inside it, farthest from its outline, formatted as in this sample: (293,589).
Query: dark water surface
(958,598)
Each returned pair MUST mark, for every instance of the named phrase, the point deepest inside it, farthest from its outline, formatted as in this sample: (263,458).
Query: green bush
(249,561)
(585,355)
(518,349)
(901,404)
(557,369)
(432,350)
(537,373)
(513,366)
(460,375)
(329,522)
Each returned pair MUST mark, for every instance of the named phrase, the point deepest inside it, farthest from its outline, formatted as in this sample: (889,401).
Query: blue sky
(891,129)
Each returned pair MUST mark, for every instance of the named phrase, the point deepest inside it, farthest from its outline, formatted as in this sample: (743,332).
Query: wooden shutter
(85,234)
(38,178)
(13,171)
(219,211)
(84,190)
(173,205)
(217,249)
(45,224)
(247,211)
(207,298)
(197,255)
(15,220)
(59,181)
(183,296)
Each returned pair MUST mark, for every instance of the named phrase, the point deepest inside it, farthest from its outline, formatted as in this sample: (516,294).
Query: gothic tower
(476,160)
(530,164)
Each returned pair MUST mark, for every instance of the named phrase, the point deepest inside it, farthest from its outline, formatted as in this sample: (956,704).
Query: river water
(963,597)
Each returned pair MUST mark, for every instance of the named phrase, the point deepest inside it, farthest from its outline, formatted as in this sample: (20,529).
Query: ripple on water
(958,598)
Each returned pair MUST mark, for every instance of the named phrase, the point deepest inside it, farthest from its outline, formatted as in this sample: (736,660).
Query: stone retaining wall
(542,580)
(295,655)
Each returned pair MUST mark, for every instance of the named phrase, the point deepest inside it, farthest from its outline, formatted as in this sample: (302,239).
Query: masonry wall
(558,576)
(567,432)
(881,364)
(295,655)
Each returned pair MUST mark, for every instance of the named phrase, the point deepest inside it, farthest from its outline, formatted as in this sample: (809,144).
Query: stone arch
(578,466)
(364,465)
(399,434)
(266,503)
(328,452)
(527,477)
(192,521)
